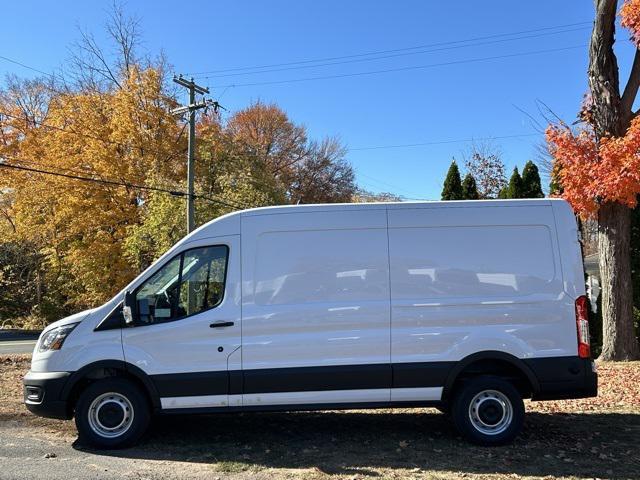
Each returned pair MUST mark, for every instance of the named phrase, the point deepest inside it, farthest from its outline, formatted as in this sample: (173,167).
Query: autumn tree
(125,135)
(600,169)
(452,189)
(469,188)
(68,244)
(258,157)
(120,131)
(308,171)
(531,183)
(485,164)
(365,196)
(266,133)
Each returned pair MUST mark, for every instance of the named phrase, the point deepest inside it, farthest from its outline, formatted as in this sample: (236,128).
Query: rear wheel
(488,411)
(111,413)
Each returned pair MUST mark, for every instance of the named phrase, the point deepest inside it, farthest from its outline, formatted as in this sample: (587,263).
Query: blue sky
(437,103)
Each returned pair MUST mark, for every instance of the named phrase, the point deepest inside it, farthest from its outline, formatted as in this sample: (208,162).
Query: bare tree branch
(537,126)
(96,68)
(631,89)
(91,60)
(125,31)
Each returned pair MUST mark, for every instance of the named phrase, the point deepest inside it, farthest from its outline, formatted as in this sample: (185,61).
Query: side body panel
(316,298)
(477,278)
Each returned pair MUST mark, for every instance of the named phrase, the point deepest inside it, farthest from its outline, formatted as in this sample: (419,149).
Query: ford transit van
(466,306)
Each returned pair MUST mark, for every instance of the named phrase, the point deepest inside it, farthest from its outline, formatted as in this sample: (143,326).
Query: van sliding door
(316,317)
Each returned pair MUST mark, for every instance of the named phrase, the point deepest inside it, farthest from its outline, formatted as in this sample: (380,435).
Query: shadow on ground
(579,445)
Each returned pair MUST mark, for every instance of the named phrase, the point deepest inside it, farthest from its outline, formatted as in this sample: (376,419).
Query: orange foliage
(606,171)
(630,18)
(592,173)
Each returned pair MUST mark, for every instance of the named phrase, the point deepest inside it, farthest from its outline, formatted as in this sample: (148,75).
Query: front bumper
(43,394)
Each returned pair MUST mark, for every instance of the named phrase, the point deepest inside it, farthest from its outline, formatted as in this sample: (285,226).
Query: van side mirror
(127,308)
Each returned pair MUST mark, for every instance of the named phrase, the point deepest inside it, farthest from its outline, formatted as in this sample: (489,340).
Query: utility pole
(191,108)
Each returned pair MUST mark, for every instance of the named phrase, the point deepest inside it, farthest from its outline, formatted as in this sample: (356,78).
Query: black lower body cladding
(555,378)
(46,393)
(564,377)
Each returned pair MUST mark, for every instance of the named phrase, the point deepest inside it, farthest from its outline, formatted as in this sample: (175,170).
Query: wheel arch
(482,360)
(105,369)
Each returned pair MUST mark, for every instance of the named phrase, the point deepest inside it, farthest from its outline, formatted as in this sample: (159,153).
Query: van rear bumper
(43,394)
(564,377)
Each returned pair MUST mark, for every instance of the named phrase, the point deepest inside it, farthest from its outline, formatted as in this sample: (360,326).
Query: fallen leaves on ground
(572,439)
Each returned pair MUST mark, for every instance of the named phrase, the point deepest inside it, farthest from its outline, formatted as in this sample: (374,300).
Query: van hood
(75,318)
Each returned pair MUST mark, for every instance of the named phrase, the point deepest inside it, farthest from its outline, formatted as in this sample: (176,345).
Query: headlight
(54,338)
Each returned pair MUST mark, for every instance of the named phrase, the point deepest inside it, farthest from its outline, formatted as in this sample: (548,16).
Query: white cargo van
(465,306)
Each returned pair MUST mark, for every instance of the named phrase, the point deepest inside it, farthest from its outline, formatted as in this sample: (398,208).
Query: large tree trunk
(611,116)
(614,233)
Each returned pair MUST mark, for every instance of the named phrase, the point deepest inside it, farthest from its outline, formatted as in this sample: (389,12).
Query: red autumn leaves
(609,171)
(591,173)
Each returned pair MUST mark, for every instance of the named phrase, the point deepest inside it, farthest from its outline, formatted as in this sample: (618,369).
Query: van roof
(397,205)
(229,224)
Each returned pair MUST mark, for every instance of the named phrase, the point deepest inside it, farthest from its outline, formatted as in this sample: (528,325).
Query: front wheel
(111,413)
(488,411)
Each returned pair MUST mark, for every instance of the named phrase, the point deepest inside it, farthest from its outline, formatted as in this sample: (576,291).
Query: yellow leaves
(122,135)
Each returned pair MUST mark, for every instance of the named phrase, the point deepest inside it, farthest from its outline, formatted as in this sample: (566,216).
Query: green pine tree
(452,189)
(515,188)
(469,188)
(531,184)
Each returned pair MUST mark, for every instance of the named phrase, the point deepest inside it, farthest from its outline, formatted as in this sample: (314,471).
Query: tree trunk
(611,118)
(614,233)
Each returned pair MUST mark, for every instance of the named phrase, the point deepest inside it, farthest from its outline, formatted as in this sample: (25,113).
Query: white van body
(341,306)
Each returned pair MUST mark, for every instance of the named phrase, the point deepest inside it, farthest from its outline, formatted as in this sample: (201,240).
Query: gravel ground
(590,438)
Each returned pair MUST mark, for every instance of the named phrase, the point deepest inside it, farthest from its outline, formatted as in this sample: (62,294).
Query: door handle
(221,324)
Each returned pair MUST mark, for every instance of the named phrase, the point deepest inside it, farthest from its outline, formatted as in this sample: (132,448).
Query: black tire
(498,414)
(120,406)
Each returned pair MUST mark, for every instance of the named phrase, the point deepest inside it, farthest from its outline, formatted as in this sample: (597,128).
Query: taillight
(582,324)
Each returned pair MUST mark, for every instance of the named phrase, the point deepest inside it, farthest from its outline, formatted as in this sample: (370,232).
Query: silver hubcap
(490,412)
(110,415)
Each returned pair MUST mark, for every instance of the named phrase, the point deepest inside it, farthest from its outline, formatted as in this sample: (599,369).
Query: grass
(589,438)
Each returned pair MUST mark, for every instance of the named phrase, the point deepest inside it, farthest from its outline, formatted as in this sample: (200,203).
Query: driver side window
(189,283)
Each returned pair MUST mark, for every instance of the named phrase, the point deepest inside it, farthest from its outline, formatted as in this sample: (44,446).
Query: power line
(379,52)
(443,142)
(23,65)
(441,49)
(415,67)
(82,134)
(83,171)
(381,182)
(121,184)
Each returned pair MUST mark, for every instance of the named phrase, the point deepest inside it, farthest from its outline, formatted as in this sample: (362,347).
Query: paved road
(17,346)
(38,454)
(17,341)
